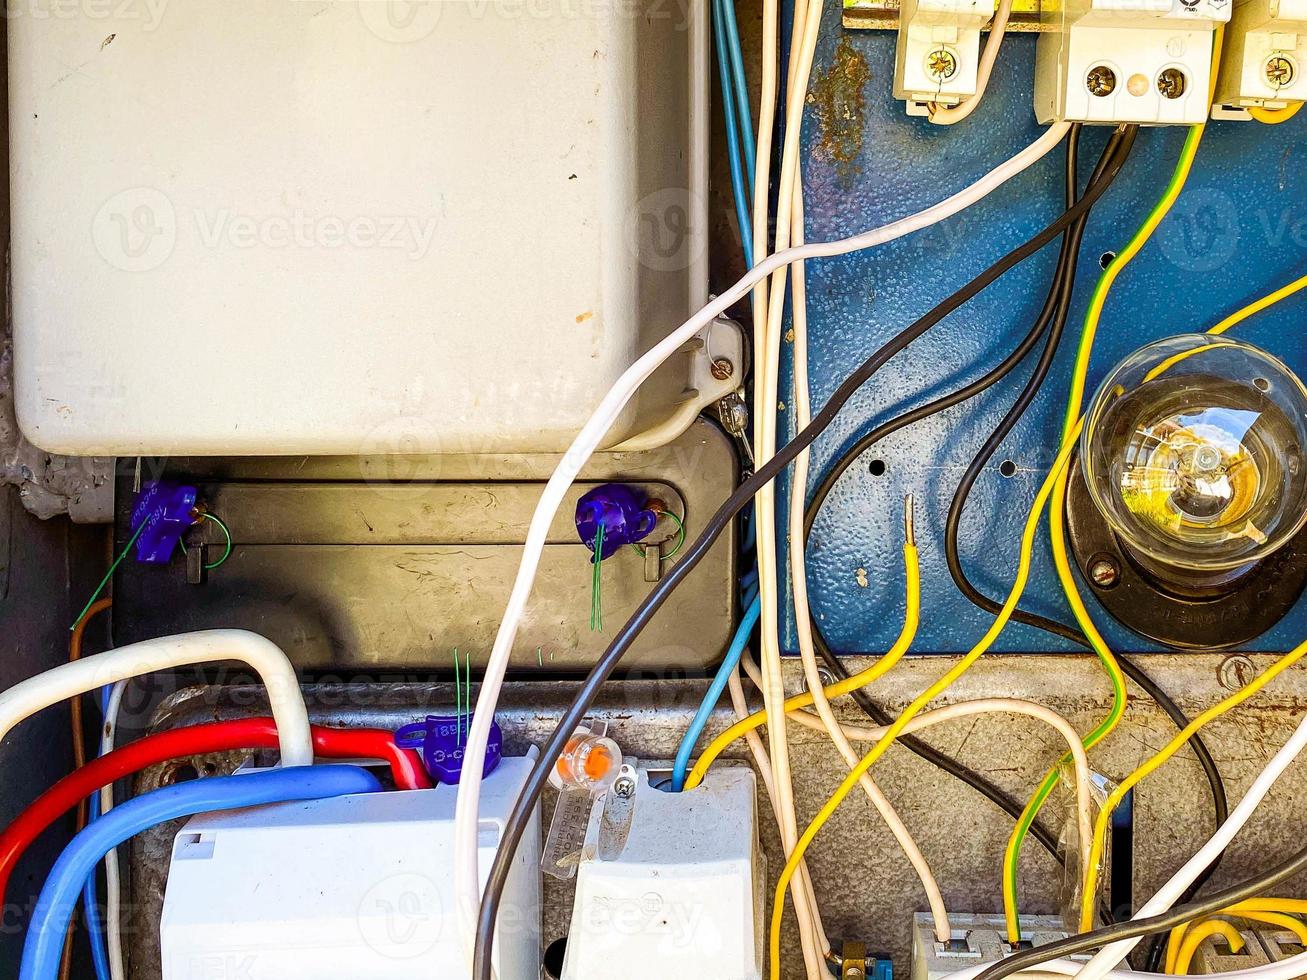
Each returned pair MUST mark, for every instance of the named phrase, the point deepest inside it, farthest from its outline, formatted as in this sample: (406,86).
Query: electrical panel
(1127,61)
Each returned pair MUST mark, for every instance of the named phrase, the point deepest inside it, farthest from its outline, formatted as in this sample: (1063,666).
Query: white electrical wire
(806,910)
(78,677)
(112,873)
(949,115)
(1109,956)
(466,874)
(1292,968)
(799,580)
(806,30)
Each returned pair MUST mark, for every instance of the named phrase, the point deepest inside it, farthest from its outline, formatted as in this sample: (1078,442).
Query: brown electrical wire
(79,756)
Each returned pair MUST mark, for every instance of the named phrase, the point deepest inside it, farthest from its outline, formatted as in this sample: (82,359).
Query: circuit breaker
(1127,61)
(938,51)
(1264,58)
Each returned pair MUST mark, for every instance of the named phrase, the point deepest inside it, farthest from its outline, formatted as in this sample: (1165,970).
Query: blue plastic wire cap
(163,510)
(622,511)
(442,740)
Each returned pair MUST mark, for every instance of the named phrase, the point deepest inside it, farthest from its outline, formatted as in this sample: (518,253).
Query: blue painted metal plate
(1238,231)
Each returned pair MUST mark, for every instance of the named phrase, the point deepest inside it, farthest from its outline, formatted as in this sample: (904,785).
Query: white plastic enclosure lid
(353,888)
(252,227)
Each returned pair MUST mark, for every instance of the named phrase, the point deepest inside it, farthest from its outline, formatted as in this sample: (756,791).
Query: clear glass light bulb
(1193,451)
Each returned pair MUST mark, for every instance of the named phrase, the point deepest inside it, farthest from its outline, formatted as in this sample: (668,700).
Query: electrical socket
(977,939)
(938,52)
(1127,61)
(1264,62)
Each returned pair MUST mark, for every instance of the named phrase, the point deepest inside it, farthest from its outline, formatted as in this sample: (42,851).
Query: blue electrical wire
(733,140)
(682,765)
(54,908)
(91,906)
(744,114)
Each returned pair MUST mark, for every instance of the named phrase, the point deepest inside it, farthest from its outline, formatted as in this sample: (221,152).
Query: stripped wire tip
(909,521)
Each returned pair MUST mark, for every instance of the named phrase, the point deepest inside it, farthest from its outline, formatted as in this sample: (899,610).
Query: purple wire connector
(442,740)
(621,510)
(163,511)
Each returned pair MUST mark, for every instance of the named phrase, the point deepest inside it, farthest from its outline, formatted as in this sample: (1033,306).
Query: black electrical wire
(1051,320)
(1065,268)
(524,807)
(1253,887)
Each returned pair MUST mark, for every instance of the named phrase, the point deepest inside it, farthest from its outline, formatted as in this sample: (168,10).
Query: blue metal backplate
(1238,231)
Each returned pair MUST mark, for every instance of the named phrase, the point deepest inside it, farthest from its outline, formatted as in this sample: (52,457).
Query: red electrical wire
(179,743)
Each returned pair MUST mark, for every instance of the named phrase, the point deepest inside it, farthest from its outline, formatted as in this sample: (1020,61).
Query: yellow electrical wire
(911,620)
(1273,117)
(1286,922)
(1246,909)
(1118,793)
(1234,319)
(895,729)
(1200,934)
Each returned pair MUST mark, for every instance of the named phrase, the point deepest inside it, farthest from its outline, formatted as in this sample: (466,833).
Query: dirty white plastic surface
(357,887)
(338,227)
(683,899)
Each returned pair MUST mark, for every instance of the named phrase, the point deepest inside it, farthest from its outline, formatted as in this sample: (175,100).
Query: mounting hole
(1106,259)
(877,467)
(554,956)
(1261,384)
(1007,468)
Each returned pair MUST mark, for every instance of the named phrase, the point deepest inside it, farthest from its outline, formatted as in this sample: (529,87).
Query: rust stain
(837,95)
(584,317)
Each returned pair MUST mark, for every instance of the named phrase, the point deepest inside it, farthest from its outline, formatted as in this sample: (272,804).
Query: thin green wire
(226,533)
(596,583)
(467,691)
(108,575)
(680,538)
(1084,351)
(458,702)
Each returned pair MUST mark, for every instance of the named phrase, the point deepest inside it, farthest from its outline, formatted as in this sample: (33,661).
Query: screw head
(722,369)
(941,64)
(1280,71)
(1101,81)
(1235,672)
(1104,572)
(624,787)
(853,971)
(1172,83)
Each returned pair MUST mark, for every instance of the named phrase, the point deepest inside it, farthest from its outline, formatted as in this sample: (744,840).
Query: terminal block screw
(1279,71)
(722,369)
(941,64)
(1101,81)
(1171,83)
